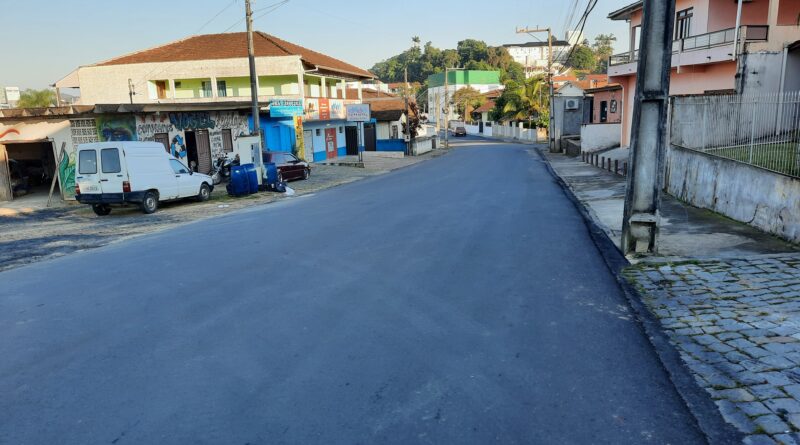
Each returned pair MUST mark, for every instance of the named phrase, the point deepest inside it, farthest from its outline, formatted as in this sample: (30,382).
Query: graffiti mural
(176,124)
(300,146)
(178,147)
(116,128)
(66,173)
(192,121)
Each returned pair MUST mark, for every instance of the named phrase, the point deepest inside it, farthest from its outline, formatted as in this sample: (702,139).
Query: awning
(24,132)
(71,80)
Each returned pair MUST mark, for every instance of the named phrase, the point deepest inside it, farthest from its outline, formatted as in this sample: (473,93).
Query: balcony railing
(750,33)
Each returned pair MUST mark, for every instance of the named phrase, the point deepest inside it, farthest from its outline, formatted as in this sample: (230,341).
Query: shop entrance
(30,167)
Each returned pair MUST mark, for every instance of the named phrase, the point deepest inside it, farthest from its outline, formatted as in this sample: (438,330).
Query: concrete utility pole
(649,129)
(447,104)
(530,32)
(408,116)
(251,55)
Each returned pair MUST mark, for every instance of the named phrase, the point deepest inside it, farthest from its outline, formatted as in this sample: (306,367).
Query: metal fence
(760,130)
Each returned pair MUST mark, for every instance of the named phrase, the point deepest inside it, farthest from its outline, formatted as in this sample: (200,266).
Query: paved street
(459,300)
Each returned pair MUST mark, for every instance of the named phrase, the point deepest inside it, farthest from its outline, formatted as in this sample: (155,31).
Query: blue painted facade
(390,145)
(278,133)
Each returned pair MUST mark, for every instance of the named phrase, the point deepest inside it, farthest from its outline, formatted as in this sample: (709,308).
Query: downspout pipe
(737,29)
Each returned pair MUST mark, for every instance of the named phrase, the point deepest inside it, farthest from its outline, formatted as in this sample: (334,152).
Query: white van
(134,172)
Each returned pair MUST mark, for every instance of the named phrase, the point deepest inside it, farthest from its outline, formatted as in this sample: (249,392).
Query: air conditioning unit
(572,104)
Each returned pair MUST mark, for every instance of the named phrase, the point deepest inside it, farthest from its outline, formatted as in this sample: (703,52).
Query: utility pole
(530,32)
(447,103)
(408,115)
(648,132)
(446,107)
(253,79)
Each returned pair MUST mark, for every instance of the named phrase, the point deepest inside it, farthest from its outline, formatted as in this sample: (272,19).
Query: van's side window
(178,167)
(109,158)
(87,162)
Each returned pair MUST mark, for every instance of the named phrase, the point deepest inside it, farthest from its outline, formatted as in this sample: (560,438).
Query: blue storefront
(278,125)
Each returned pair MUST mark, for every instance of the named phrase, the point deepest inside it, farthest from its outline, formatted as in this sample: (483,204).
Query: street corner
(736,326)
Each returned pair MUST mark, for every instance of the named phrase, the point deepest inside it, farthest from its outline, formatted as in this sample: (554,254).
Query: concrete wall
(600,136)
(760,72)
(748,194)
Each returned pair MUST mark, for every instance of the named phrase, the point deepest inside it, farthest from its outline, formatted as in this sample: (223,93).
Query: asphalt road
(458,301)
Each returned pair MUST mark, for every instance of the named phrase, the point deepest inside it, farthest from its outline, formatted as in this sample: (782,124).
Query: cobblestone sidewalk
(736,324)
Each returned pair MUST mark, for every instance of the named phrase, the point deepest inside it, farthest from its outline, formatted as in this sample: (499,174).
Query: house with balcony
(301,93)
(710,54)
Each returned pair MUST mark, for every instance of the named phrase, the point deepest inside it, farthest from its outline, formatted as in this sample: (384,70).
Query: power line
(589,7)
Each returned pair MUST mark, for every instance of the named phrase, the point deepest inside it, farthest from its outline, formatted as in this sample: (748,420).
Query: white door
(187,185)
(111,176)
(88,178)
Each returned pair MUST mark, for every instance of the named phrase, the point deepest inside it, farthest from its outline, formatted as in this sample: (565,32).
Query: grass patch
(782,158)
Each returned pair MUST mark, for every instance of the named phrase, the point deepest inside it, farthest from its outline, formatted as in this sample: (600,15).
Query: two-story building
(302,91)
(710,54)
(192,95)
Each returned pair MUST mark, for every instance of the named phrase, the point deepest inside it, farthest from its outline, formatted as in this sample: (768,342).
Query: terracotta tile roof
(493,94)
(366,93)
(234,45)
(486,107)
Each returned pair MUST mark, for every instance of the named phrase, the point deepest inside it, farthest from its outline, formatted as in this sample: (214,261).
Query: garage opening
(32,166)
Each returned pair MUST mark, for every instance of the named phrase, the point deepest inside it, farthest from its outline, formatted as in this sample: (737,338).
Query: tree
(471,49)
(466,101)
(37,98)
(413,122)
(528,100)
(603,48)
(582,58)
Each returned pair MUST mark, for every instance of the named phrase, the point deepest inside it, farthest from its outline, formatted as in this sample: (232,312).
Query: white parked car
(134,172)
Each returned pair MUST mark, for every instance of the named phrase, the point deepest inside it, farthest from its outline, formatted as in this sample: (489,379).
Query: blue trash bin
(252,177)
(239,184)
(272,173)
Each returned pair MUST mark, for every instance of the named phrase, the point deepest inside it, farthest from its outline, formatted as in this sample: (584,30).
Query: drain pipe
(736,31)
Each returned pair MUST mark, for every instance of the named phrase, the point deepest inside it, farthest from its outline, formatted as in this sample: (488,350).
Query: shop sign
(286,107)
(358,113)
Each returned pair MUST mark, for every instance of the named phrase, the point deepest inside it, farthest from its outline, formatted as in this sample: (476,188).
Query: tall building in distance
(534,55)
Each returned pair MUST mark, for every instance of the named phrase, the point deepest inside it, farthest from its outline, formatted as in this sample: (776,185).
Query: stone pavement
(736,324)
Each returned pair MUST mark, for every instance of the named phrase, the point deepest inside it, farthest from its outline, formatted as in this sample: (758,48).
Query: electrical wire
(589,8)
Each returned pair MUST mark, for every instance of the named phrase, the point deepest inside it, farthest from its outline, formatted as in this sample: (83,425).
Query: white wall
(600,136)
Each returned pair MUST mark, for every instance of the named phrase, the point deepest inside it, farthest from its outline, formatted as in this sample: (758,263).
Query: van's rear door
(110,172)
(88,177)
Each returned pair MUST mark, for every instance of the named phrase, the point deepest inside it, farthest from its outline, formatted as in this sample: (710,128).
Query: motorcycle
(221,170)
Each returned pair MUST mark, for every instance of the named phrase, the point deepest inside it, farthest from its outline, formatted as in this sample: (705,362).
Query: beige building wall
(109,84)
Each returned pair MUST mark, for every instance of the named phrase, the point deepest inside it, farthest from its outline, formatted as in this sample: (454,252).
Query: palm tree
(528,100)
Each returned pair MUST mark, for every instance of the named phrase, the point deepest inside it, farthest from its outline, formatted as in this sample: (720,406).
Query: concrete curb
(697,400)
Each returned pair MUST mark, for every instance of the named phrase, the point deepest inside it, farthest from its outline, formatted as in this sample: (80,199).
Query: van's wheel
(205,193)
(306,173)
(150,202)
(101,209)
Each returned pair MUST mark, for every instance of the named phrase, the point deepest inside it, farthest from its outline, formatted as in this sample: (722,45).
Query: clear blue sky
(43,40)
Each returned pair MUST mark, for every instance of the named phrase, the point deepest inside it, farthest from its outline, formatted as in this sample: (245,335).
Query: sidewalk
(726,295)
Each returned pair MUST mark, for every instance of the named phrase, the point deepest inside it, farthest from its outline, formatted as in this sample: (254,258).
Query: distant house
(389,115)
(482,81)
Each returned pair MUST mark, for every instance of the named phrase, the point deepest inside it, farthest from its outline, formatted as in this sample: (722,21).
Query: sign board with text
(286,107)
(358,113)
